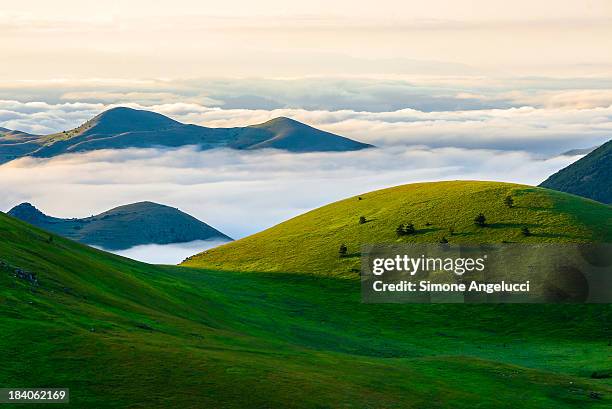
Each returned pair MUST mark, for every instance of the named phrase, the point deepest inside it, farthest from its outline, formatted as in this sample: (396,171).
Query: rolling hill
(309,243)
(590,176)
(120,333)
(14,144)
(8,135)
(121,128)
(124,226)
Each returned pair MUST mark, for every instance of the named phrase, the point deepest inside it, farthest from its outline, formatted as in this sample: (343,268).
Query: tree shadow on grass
(368,221)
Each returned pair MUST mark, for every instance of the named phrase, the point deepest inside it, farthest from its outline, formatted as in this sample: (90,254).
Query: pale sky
(275,38)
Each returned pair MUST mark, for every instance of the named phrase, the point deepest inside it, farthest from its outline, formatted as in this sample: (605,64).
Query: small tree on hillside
(409,229)
(343,250)
(480,220)
(508,201)
(362,220)
(400,230)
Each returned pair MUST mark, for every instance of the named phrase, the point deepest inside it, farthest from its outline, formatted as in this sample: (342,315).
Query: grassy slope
(121,333)
(309,243)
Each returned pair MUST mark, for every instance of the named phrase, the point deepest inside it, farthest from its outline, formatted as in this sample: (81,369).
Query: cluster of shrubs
(405,230)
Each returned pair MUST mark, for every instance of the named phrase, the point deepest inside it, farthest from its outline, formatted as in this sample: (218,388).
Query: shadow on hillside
(429,230)
(556,235)
(511,225)
(462,233)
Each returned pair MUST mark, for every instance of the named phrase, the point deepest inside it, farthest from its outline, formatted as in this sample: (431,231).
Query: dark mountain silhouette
(120,128)
(124,226)
(589,177)
(576,152)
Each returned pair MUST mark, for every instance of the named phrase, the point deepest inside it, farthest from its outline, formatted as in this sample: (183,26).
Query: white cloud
(240,192)
(572,99)
(537,129)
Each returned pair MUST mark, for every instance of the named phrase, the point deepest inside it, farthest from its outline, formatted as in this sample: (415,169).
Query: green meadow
(275,320)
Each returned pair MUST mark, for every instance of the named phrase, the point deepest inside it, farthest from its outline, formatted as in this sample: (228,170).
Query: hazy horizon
(273,38)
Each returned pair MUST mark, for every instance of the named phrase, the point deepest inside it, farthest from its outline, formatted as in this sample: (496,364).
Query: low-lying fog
(167,253)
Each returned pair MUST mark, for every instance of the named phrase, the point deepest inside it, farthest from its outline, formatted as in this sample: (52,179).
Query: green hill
(124,226)
(309,243)
(589,177)
(120,128)
(120,333)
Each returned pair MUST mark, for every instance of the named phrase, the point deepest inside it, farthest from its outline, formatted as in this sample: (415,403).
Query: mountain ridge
(124,226)
(590,176)
(122,127)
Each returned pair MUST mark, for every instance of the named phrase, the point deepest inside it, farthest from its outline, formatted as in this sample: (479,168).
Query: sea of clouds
(425,130)
(242,192)
(542,130)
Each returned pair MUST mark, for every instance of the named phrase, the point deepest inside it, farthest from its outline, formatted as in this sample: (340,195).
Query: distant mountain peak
(124,112)
(27,212)
(143,206)
(124,119)
(26,207)
(289,134)
(576,152)
(281,121)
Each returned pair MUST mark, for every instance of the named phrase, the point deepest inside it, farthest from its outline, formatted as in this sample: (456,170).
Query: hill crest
(124,226)
(309,243)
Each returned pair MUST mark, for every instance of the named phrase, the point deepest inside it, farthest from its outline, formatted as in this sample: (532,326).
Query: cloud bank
(542,130)
(240,192)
